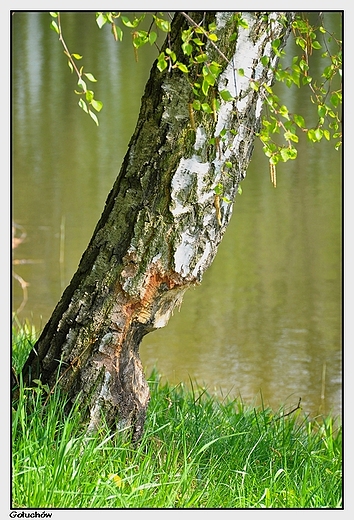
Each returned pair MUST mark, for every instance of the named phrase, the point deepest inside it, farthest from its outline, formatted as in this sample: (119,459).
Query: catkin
(217,207)
(273,174)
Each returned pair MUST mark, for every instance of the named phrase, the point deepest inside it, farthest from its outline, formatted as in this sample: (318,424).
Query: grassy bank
(196,452)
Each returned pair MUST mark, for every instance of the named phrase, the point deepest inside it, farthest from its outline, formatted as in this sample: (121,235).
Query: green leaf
(335,99)
(269,149)
(212,37)
(319,134)
(205,87)
(284,111)
(225,95)
(132,24)
(172,54)
(182,67)
(306,80)
(89,95)
(187,48)
(77,56)
(119,32)
(90,77)
(210,79)
(54,26)
(275,158)
(53,13)
(299,120)
(196,104)
(288,153)
(97,105)
(93,116)
(195,89)
(83,105)
(82,84)
(201,58)
(206,108)
(316,45)
(186,34)
(161,62)
(140,38)
(243,23)
(101,19)
(289,136)
(215,68)
(219,188)
(275,44)
(327,135)
(301,42)
(295,77)
(303,65)
(321,110)
(295,67)
(152,37)
(311,135)
(197,41)
(162,24)
(328,71)
(111,15)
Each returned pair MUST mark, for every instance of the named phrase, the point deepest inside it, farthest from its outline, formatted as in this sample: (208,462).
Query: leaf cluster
(87,99)
(139,36)
(325,92)
(203,72)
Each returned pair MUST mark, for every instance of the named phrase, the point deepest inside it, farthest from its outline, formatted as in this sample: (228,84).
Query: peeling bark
(160,228)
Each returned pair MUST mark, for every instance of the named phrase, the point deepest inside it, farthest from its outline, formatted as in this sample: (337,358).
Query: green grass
(196,452)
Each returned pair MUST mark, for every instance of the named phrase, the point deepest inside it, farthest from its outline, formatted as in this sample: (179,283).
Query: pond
(266,322)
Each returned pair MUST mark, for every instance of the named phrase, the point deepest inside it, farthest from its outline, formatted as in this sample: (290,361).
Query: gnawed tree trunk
(161,225)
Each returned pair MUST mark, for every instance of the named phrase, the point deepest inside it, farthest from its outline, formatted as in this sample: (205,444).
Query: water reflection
(267,317)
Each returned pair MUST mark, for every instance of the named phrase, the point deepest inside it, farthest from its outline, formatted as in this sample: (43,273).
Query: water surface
(266,321)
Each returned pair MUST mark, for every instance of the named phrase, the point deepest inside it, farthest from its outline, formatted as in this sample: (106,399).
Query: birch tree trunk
(161,225)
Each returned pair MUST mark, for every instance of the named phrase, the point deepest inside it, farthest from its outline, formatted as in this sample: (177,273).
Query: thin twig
(66,50)
(289,413)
